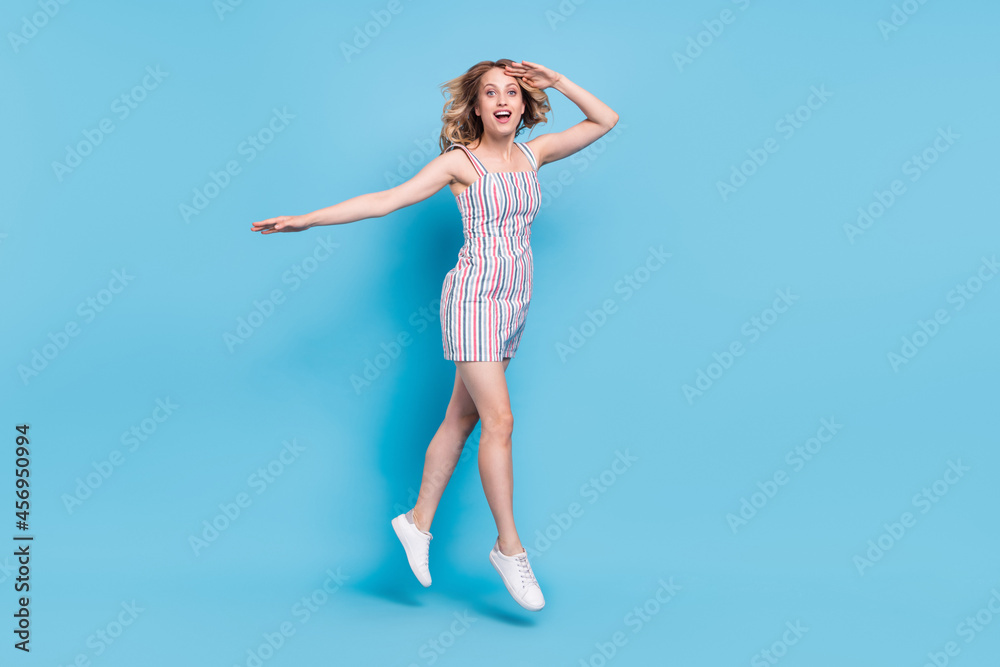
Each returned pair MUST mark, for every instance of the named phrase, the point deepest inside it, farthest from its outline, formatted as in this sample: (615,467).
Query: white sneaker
(518,578)
(416,543)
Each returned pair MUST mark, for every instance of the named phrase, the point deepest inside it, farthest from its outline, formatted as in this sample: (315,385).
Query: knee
(499,424)
(463,423)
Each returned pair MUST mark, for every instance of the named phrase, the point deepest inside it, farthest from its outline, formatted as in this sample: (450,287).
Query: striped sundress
(485,298)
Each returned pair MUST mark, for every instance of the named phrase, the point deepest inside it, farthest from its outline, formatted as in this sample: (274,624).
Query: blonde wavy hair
(462,125)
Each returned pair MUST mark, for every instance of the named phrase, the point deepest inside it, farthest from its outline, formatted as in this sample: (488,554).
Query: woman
(484,299)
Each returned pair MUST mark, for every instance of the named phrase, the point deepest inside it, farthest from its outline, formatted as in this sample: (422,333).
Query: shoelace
(427,549)
(527,576)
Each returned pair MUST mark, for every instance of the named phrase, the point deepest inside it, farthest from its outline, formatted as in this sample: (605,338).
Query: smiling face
(500,104)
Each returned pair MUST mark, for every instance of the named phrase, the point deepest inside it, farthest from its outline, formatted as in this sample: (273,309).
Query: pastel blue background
(356,120)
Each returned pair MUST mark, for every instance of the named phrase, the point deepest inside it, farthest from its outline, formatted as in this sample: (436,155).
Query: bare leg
(444,451)
(487,386)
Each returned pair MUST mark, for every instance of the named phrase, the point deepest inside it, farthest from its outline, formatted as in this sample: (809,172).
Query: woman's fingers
(268,226)
(284,223)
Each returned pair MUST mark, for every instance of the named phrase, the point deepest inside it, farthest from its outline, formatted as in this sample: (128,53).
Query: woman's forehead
(496,77)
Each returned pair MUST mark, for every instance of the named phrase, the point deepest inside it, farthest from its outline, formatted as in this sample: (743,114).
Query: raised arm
(436,174)
(557,145)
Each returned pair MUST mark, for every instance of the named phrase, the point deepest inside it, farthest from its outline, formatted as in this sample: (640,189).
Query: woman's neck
(500,148)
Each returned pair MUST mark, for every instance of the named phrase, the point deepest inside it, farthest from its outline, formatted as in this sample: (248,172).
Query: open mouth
(502,116)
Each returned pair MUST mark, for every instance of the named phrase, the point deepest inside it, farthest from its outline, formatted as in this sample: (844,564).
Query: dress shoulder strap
(527,151)
(480,169)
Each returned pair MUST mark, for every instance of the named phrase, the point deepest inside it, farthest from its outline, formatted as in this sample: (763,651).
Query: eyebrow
(494,85)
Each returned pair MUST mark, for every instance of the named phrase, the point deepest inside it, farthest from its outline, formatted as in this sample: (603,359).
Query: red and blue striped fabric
(485,298)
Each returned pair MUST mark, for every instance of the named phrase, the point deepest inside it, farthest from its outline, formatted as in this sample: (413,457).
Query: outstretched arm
(557,145)
(435,175)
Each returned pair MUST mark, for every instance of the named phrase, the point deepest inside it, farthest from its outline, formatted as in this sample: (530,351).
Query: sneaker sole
(508,586)
(397,528)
